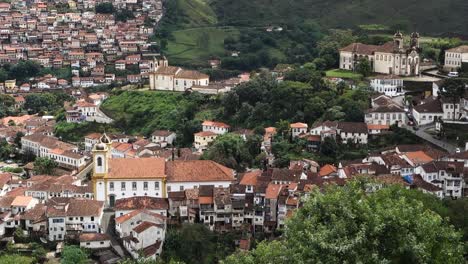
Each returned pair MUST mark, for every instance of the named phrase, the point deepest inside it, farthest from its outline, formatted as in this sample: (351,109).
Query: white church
(393,57)
(118,178)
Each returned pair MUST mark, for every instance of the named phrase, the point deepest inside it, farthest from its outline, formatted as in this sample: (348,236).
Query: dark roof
(429,106)
(353,127)
(449,166)
(420,183)
(206,190)
(152,249)
(386,108)
(285,174)
(141,202)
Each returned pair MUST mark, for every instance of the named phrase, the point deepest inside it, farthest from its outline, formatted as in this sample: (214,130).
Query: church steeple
(398,40)
(101,154)
(415,40)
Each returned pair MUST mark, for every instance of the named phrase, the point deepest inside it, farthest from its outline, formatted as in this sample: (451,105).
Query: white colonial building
(386,115)
(170,78)
(455,57)
(115,179)
(215,127)
(390,86)
(389,58)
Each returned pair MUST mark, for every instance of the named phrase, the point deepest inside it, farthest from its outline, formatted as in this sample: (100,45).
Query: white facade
(390,58)
(385,118)
(390,87)
(455,57)
(95,244)
(180,186)
(130,188)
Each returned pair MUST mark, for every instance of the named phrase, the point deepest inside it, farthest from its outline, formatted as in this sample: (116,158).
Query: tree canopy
(349,225)
(44,165)
(74,255)
(232,151)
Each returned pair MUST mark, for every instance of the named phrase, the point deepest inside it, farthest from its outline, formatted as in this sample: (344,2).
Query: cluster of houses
(78,38)
(150,193)
(87,109)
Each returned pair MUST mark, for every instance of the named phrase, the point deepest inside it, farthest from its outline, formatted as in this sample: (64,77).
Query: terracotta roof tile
(137,168)
(145,225)
(197,171)
(87,237)
(250,178)
(141,202)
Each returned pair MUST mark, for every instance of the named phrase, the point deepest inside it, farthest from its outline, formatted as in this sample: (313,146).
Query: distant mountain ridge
(425,16)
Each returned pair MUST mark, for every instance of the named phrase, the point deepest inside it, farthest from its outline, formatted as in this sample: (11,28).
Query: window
(168,188)
(145,186)
(111,186)
(122,186)
(99,161)
(92,218)
(156,185)
(181,188)
(81,218)
(134,186)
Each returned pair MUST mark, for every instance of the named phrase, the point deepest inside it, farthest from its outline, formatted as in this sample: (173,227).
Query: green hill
(196,30)
(427,16)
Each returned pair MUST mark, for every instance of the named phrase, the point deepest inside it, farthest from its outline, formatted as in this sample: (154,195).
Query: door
(111,200)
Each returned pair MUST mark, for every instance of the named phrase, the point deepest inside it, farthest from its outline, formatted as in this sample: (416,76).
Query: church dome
(105,139)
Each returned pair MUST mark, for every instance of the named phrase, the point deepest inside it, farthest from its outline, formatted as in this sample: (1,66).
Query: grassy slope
(202,25)
(198,44)
(148,110)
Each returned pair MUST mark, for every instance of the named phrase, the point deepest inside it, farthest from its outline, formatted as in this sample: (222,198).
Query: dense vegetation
(349,225)
(433,17)
(195,243)
(144,112)
(191,32)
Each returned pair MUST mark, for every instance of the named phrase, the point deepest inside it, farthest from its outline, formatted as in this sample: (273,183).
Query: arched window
(99,161)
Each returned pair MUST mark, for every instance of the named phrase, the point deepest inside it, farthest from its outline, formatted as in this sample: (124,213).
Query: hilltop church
(170,78)
(393,57)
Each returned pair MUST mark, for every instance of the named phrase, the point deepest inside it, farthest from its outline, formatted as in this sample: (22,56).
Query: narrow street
(428,137)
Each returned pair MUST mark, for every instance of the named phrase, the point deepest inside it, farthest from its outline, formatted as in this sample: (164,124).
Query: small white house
(215,127)
(95,240)
(298,129)
(160,136)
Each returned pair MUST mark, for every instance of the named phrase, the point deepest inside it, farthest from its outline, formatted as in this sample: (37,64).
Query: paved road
(428,137)
(82,174)
(108,225)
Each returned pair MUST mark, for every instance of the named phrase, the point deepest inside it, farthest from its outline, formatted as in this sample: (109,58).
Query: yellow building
(203,139)
(10,86)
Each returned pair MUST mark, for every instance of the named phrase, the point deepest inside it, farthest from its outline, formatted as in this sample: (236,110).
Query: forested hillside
(426,16)
(194,31)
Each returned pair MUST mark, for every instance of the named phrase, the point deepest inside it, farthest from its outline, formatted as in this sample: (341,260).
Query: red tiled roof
(197,171)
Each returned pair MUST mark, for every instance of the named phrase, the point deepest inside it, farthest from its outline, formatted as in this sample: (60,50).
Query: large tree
(230,150)
(350,225)
(43,165)
(364,67)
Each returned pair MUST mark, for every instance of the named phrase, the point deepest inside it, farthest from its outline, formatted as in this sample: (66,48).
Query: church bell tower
(101,154)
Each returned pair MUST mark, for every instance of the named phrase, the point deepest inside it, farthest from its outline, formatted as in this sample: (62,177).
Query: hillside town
(110,148)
